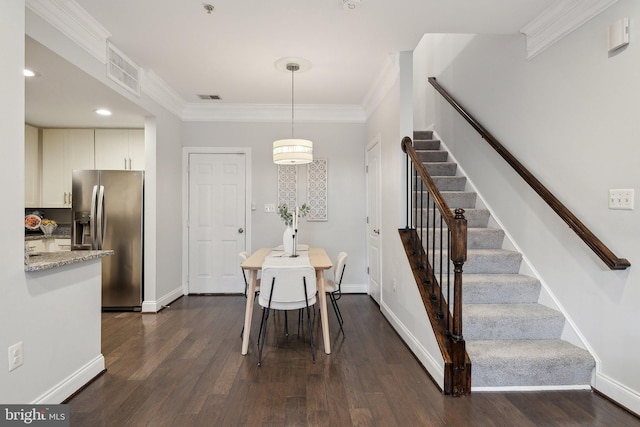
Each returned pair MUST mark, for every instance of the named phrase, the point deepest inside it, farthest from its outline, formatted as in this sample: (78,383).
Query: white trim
(387,77)
(434,367)
(74,382)
(165,300)
(354,288)
(558,20)
(532,388)
(305,113)
(74,22)
(186,151)
(618,392)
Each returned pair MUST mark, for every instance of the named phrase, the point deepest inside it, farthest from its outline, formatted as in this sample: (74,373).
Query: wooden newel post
(458,257)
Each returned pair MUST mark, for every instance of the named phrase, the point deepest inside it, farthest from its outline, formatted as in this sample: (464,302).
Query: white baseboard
(619,393)
(434,368)
(156,306)
(72,383)
(355,288)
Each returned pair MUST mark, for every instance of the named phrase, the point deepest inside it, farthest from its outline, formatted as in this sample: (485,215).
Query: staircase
(512,340)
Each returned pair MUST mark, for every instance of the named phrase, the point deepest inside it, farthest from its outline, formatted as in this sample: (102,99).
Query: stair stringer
(570,333)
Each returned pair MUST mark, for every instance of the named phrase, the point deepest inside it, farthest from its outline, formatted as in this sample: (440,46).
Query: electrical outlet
(394,284)
(621,199)
(16,356)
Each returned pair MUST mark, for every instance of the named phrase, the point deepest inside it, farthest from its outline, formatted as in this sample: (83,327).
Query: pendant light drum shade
(292,151)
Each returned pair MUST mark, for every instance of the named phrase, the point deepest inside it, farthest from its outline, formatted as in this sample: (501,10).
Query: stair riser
(433,156)
(444,183)
(512,328)
(475,217)
(422,134)
(513,374)
(499,291)
(427,144)
(454,199)
(499,263)
(477,238)
(441,169)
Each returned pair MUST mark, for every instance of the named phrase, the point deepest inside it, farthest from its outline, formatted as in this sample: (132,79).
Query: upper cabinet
(49,163)
(119,149)
(63,150)
(31,168)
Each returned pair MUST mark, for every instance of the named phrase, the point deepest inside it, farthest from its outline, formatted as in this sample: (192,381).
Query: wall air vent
(122,70)
(209,97)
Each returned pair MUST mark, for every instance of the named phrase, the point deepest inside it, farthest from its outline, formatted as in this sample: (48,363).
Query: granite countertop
(45,260)
(30,237)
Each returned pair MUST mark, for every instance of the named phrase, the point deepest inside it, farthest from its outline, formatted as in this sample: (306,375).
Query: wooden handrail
(600,249)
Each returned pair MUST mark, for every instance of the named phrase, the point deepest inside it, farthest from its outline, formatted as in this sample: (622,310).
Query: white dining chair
(286,288)
(332,287)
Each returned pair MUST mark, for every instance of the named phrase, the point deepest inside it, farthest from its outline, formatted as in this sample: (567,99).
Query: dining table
(319,260)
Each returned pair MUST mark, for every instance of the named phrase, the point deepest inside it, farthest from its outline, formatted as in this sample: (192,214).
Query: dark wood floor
(182,367)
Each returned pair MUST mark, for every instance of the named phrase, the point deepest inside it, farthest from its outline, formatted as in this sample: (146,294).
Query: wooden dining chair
(332,287)
(286,288)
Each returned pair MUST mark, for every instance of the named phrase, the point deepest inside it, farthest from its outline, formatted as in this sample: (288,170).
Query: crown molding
(305,113)
(387,77)
(558,20)
(157,89)
(74,22)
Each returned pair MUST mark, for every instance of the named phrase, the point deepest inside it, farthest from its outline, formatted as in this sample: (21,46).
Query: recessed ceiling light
(103,112)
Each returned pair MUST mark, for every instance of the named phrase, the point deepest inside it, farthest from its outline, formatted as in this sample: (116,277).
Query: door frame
(186,152)
(375,143)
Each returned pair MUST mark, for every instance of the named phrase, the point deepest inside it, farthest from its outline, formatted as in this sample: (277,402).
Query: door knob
(240,230)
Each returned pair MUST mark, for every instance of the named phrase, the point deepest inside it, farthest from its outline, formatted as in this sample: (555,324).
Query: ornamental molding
(558,21)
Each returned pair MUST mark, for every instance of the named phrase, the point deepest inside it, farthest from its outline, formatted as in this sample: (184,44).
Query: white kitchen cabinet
(31,168)
(119,149)
(64,150)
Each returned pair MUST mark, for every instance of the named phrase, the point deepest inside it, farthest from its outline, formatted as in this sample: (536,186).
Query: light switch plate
(269,207)
(621,199)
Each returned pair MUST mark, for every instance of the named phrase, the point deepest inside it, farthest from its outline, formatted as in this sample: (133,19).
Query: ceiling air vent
(122,70)
(209,96)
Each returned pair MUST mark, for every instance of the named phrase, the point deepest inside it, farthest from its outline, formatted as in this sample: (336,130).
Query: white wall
(402,307)
(341,144)
(56,313)
(570,115)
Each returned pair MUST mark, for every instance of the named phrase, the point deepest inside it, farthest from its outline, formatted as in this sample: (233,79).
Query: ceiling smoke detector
(350,4)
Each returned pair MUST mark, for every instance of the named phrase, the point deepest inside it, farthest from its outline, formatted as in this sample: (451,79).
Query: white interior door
(217,186)
(373,219)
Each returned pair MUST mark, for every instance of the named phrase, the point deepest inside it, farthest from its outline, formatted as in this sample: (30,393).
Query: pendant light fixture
(292,151)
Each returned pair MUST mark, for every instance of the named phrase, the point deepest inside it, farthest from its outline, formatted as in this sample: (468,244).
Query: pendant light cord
(292,71)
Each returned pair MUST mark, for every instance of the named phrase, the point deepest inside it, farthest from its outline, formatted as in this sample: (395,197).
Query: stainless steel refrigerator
(107,213)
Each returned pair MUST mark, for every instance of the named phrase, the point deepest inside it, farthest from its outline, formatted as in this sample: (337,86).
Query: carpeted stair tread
(499,289)
(446,183)
(511,322)
(529,363)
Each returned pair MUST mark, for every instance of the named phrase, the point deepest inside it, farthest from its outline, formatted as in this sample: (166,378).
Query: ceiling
(231,51)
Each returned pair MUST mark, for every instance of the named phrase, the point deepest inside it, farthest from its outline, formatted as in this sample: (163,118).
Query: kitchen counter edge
(48,260)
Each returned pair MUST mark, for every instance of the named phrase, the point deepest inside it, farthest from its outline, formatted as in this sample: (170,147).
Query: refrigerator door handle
(102,220)
(93,217)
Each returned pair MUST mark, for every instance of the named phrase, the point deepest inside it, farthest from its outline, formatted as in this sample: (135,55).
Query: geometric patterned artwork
(287,185)
(317,190)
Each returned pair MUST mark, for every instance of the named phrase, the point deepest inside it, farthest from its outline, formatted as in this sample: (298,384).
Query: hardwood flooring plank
(183,367)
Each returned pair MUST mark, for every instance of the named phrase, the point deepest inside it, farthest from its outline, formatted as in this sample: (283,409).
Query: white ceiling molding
(559,20)
(74,22)
(387,77)
(155,88)
(305,113)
